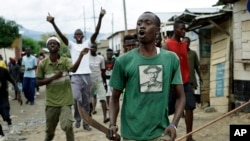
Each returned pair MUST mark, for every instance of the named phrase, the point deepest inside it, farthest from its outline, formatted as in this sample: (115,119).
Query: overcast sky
(69,14)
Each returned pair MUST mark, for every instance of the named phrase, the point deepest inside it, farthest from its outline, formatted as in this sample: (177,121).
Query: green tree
(32,44)
(9,31)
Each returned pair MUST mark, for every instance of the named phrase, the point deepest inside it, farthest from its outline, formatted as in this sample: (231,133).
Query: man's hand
(57,75)
(50,18)
(85,51)
(19,97)
(112,134)
(29,69)
(169,134)
(102,12)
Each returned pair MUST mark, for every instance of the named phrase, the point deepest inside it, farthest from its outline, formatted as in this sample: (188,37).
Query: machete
(94,123)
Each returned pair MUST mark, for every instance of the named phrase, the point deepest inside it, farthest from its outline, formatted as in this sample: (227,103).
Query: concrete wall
(220,68)
(241,45)
(7,53)
(241,38)
(117,40)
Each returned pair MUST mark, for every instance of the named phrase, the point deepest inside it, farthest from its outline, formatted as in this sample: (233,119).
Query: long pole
(125,17)
(84,21)
(94,12)
(213,121)
(112,30)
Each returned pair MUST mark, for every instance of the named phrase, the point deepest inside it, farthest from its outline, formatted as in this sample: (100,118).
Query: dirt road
(29,124)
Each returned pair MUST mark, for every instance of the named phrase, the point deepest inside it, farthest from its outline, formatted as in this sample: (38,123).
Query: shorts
(190,99)
(97,88)
(110,89)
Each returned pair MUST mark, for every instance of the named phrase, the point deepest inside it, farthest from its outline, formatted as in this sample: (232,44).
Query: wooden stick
(215,120)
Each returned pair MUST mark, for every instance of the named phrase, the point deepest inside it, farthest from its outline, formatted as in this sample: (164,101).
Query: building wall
(103,45)
(241,38)
(220,68)
(7,53)
(117,40)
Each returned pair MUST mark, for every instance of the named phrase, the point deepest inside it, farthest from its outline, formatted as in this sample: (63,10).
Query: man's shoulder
(168,53)
(3,69)
(65,59)
(192,51)
(170,40)
(101,57)
(33,57)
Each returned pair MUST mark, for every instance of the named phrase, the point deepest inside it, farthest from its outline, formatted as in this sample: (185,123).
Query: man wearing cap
(80,80)
(29,78)
(53,72)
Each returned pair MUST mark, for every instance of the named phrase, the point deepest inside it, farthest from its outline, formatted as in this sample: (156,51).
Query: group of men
(87,79)
(144,75)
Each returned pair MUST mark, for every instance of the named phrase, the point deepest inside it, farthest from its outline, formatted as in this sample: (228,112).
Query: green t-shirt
(58,92)
(144,113)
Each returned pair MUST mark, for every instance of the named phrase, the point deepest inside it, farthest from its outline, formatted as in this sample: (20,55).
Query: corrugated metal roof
(203,20)
(165,16)
(202,10)
(223,2)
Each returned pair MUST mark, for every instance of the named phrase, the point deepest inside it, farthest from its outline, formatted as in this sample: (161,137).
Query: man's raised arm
(51,20)
(98,26)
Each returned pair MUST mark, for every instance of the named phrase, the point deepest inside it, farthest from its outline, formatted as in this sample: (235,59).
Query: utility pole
(125,17)
(94,12)
(84,21)
(112,30)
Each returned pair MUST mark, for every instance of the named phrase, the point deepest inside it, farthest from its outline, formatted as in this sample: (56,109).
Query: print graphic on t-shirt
(109,68)
(150,78)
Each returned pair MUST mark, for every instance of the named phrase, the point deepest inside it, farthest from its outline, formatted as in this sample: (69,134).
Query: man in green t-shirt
(54,73)
(144,113)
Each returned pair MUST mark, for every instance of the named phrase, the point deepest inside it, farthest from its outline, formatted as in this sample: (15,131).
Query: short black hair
(187,38)
(177,22)
(109,49)
(129,37)
(157,19)
(78,30)
(170,33)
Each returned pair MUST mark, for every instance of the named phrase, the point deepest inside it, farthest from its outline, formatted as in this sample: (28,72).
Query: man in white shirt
(29,78)
(98,78)
(80,80)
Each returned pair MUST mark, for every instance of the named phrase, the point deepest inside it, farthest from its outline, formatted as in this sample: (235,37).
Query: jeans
(29,85)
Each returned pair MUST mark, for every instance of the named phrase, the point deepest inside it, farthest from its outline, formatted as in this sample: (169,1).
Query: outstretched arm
(51,20)
(98,26)
(46,81)
(78,61)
